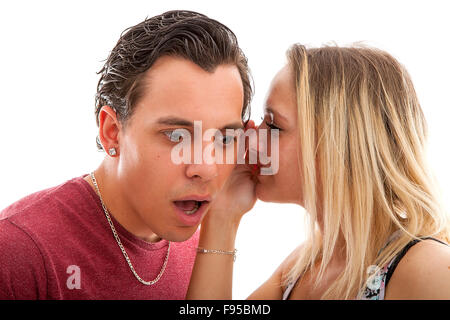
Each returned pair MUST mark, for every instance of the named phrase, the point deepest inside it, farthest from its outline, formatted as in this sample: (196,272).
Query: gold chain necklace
(116,236)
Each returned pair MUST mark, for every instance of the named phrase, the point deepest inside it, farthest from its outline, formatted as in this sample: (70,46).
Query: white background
(51,51)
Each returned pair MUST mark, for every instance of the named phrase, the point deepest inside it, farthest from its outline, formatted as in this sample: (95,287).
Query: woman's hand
(236,197)
(238,194)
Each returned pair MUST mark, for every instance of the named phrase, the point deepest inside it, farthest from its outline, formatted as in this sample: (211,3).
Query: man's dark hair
(186,34)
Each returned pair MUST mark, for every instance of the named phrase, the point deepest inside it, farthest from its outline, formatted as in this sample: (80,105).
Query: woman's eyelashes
(269,122)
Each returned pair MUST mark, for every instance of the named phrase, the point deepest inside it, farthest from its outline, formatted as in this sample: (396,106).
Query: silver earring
(112,152)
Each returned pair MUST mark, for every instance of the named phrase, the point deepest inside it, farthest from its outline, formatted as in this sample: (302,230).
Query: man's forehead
(215,99)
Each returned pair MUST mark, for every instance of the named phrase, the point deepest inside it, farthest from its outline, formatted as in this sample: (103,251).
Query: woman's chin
(270,193)
(265,193)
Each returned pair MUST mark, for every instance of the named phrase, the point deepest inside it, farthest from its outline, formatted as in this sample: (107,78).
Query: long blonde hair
(362,139)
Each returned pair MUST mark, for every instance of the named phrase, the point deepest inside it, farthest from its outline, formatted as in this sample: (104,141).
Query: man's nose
(202,171)
(205,169)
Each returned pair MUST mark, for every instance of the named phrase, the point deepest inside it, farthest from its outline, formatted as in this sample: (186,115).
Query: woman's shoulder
(274,287)
(422,273)
(290,261)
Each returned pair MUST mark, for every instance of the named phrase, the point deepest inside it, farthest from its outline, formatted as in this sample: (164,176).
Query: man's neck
(114,202)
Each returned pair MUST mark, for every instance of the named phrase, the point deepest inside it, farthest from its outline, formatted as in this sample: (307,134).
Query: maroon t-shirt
(57,244)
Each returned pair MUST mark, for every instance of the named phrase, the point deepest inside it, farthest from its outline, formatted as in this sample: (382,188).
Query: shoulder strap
(402,253)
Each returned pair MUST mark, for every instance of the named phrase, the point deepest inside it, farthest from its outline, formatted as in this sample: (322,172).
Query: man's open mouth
(190,206)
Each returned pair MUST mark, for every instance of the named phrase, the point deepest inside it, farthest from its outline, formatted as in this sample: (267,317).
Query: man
(128,229)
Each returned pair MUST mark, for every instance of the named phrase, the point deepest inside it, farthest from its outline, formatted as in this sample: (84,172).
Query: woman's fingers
(250,125)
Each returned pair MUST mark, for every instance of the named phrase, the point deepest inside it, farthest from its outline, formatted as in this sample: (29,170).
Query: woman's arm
(273,289)
(212,275)
(213,272)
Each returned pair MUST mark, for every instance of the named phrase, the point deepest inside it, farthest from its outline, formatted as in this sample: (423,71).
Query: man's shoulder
(22,270)
(28,203)
(43,204)
(47,216)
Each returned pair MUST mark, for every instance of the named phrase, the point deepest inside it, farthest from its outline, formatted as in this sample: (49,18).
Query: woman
(352,152)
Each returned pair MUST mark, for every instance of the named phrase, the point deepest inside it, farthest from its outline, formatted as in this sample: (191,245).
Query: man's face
(162,194)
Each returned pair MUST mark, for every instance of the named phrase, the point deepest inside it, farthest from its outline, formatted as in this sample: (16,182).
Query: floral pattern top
(375,287)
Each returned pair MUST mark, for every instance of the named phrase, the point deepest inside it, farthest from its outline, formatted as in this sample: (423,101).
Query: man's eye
(175,135)
(225,140)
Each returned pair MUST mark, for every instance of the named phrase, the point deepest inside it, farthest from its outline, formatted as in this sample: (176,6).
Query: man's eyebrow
(176,121)
(235,126)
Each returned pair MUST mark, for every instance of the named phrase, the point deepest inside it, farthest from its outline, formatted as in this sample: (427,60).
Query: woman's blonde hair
(362,139)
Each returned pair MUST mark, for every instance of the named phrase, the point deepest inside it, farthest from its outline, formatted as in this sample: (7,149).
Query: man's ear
(109,128)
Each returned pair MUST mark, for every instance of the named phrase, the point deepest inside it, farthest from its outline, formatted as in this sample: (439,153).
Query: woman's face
(280,112)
